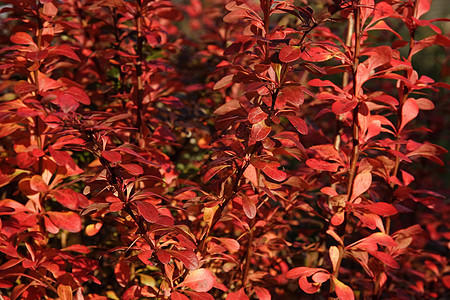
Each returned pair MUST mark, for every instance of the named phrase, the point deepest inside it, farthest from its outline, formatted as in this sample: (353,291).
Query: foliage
(210,150)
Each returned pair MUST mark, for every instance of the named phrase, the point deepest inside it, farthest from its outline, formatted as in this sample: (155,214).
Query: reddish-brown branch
(355,129)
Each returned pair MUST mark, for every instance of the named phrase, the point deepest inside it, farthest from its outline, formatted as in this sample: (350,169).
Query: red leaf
(163,256)
(9,129)
(78,94)
(249,207)
(68,103)
(260,131)
(437,39)
(378,56)
(262,293)
(382,239)
(112,156)
(64,50)
(385,258)
(299,124)
(220,286)
(231,244)
(270,169)
(291,137)
(213,171)
(199,295)
(201,280)
(370,242)
(329,191)
(251,174)
(303,271)
(22,87)
(169,13)
(291,94)
(69,221)
(257,115)
(335,236)
(67,197)
(370,220)
(381,208)
(410,110)
(46,83)
(37,184)
(148,211)
(316,54)
(49,9)
(338,218)
(308,287)
(122,272)
(188,258)
(446,281)
(22,38)
(8,249)
(425,104)
(223,82)
(133,169)
(50,226)
(236,15)
(239,295)
(344,292)
(322,83)
(321,165)
(228,107)
(381,25)
(361,184)
(343,106)
(290,53)
(320,277)
(178,296)
(77,248)
(145,257)
(423,7)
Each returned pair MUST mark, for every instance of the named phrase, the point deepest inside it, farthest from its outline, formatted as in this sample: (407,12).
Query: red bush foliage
(210,150)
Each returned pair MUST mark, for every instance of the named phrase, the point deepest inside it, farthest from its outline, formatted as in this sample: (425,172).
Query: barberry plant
(220,150)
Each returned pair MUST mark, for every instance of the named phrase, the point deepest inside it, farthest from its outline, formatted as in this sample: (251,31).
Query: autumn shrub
(221,150)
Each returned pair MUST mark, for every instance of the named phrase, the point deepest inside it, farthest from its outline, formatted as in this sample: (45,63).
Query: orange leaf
(201,280)
(410,110)
(112,156)
(334,256)
(343,291)
(69,221)
(239,295)
(290,53)
(64,292)
(22,38)
(148,211)
(260,131)
(256,115)
(361,184)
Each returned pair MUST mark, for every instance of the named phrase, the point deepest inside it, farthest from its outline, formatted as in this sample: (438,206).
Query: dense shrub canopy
(223,150)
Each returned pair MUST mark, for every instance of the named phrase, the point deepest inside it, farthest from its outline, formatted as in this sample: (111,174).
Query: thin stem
(36,80)
(355,127)
(403,95)
(138,64)
(404,92)
(249,252)
(355,130)
(232,193)
(48,283)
